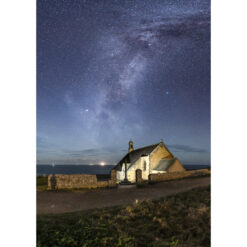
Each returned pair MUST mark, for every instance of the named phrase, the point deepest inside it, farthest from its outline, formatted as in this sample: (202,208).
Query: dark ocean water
(73,169)
(196,167)
(89,169)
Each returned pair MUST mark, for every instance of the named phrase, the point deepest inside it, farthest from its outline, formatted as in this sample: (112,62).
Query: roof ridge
(145,147)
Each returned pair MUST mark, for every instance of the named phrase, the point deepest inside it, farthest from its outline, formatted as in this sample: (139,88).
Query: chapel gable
(161,152)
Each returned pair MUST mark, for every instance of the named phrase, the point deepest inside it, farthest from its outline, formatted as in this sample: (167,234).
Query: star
(117,70)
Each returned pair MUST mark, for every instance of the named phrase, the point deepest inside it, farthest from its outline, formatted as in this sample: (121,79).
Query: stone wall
(61,181)
(176,175)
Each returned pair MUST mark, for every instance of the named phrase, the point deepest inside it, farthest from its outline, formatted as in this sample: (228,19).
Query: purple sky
(110,71)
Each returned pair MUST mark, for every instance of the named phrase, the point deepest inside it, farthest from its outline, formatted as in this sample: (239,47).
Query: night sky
(110,71)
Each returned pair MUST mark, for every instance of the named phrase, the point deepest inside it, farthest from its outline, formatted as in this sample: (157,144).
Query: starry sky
(109,71)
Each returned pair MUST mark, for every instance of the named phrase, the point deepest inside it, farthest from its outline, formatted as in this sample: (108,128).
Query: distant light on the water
(102,163)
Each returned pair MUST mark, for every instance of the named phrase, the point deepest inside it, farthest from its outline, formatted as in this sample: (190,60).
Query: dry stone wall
(176,175)
(61,181)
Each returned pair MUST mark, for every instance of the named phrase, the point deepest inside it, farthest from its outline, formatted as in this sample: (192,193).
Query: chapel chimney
(131,146)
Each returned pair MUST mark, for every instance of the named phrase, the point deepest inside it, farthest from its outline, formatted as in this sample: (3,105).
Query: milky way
(110,71)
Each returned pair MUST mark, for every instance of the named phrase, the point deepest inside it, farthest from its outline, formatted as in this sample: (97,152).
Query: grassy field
(42,182)
(178,220)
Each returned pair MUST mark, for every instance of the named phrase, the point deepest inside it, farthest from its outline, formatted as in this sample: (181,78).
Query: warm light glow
(102,163)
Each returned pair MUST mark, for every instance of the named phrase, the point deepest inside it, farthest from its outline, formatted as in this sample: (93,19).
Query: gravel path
(61,202)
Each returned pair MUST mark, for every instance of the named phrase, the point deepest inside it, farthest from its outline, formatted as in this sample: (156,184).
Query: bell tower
(131,146)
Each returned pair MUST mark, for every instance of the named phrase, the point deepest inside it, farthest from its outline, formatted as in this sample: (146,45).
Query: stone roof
(164,164)
(133,156)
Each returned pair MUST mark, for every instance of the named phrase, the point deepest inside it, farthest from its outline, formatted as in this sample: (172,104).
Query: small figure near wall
(53,182)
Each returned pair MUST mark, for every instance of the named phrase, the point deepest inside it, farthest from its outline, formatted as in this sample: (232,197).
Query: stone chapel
(151,159)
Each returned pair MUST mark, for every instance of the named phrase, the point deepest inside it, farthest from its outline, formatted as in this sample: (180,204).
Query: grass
(176,221)
(42,182)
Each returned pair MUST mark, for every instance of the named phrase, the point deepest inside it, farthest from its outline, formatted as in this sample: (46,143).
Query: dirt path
(61,202)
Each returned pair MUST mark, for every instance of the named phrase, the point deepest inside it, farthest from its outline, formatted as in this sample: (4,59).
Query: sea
(44,170)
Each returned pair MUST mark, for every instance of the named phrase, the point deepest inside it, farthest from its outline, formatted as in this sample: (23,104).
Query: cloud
(186,148)
(65,161)
(84,152)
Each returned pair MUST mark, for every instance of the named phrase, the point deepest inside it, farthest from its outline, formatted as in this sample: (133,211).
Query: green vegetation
(42,182)
(176,221)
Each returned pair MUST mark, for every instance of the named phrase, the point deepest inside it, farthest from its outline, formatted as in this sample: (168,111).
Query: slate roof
(133,156)
(164,164)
